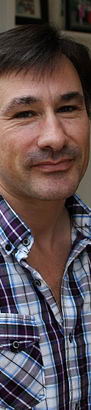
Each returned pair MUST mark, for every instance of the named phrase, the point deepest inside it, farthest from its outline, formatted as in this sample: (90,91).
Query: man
(45,243)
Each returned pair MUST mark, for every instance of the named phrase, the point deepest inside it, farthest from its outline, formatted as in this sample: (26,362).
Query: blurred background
(73,17)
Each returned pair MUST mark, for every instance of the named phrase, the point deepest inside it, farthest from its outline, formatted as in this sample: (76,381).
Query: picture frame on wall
(31,11)
(78,15)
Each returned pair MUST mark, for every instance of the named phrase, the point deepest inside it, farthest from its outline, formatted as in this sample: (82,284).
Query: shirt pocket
(22,383)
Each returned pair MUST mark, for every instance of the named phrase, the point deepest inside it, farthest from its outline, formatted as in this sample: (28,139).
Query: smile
(63,165)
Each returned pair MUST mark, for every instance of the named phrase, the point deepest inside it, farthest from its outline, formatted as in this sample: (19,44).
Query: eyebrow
(72,95)
(28,100)
(17,101)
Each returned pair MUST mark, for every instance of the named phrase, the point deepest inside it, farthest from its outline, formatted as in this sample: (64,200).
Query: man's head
(40,47)
(45,94)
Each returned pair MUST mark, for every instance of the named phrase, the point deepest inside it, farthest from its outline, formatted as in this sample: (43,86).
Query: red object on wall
(89,16)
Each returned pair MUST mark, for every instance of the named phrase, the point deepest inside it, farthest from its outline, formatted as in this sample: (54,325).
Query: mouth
(49,166)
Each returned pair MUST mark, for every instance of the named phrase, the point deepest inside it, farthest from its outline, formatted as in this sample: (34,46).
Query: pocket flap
(22,381)
(17,331)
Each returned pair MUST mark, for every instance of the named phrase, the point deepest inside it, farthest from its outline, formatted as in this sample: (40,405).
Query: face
(44,133)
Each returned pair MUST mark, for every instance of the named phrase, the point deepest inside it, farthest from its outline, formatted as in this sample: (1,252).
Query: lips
(49,166)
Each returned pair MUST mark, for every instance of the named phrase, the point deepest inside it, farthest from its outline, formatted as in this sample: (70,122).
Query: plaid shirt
(45,354)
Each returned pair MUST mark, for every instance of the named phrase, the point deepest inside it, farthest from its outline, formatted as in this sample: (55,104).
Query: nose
(52,134)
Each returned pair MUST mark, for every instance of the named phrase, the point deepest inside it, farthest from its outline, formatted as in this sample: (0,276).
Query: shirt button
(38,282)
(26,242)
(71,337)
(8,247)
(15,346)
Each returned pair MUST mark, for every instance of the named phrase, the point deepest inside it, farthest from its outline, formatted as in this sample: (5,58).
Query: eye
(25,114)
(67,108)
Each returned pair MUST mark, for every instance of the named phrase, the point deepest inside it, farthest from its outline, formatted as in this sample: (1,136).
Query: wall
(7,14)
(55,13)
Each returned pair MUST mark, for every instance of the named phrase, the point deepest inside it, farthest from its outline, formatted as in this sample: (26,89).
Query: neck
(44,217)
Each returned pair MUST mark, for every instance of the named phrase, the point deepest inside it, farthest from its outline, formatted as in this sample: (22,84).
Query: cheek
(26,147)
(84,138)
(25,138)
(84,144)
(79,131)
(14,147)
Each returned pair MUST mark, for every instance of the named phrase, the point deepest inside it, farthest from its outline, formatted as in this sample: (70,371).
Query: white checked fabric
(45,354)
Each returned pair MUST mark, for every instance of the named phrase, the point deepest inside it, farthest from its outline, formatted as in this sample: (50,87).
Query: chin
(52,188)
(54,194)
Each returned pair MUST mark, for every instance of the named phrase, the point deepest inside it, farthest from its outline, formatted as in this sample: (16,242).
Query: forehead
(64,78)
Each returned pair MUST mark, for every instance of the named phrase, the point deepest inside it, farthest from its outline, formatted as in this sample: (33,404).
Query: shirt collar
(13,231)
(80,215)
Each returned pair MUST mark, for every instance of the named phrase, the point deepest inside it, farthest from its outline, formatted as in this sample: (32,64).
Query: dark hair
(40,46)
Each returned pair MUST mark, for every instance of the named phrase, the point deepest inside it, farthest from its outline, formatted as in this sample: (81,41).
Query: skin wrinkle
(27,100)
